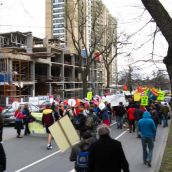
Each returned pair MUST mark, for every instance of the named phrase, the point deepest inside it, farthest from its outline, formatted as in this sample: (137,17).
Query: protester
(147,129)
(138,113)
(107,154)
(131,118)
(47,121)
(2,158)
(77,152)
(79,122)
(165,110)
(19,121)
(92,121)
(120,112)
(105,116)
(1,125)
(26,112)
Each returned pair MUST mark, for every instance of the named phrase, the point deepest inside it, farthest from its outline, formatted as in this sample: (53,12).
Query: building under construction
(30,66)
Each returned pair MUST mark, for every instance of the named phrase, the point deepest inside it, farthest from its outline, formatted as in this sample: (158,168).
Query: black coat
(2,158)
(107,154)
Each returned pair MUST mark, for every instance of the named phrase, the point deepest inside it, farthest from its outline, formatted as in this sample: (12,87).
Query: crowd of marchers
(97,151)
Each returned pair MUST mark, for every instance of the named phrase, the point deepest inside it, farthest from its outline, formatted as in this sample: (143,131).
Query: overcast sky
(29,15)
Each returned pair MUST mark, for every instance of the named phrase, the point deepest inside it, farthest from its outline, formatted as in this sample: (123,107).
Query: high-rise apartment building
(93,16)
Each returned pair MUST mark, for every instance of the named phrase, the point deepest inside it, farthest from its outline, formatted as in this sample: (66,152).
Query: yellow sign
(161,96)
(137,97)
(36,126)
(64,133)
(89,95)
(144,101)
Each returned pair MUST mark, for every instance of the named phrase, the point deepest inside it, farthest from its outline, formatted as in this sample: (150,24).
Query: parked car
(8,113)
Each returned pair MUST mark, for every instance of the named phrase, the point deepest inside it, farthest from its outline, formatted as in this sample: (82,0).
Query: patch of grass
(166,165)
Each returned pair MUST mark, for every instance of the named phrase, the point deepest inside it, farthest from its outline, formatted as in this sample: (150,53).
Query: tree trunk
(164,22)
(108,78)
(168,62)
(84,82)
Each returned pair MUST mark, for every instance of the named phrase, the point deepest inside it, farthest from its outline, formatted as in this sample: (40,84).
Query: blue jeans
(165,120)
(147,145)
(119,120)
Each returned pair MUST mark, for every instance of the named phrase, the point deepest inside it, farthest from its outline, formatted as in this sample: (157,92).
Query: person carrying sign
(79,153)
(47,121)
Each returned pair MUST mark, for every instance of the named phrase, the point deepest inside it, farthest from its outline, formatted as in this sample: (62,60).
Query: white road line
(113,124)
(73,170)
(36,162)
(121,134)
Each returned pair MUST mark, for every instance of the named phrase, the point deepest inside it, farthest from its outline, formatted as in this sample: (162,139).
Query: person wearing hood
(83,145)
(147,129)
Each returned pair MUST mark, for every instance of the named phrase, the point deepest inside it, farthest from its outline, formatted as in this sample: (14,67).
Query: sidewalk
(165,164)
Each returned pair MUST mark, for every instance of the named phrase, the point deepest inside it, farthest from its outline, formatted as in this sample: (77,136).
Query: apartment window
(58,21)
(58,26)
(56,1)
(62,36)
(58,15)
(59,31)
(58,10)
(58,5)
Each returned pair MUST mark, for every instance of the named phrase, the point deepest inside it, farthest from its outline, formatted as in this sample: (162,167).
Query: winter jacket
(130,113)
(2,158)
(47,117)
(19,115)
(138,113)
(1,120)
(120,111)
(147,126)
(107,154)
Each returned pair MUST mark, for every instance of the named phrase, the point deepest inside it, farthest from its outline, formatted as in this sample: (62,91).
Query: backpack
(77,122)
(82,157)
(90,121)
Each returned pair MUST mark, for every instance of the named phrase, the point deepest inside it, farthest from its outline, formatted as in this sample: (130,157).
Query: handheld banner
(36,127)
(137,97)
(64,133)
(89,95)
(161,96)
(144,101)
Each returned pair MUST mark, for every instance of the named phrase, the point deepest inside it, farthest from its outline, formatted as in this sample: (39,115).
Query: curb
(161,153)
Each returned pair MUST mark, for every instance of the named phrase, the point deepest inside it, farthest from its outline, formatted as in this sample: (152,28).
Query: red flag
(125,87)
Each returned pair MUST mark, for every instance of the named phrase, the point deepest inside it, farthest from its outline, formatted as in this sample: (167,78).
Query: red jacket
(47,117)
(130,113)
(19,115)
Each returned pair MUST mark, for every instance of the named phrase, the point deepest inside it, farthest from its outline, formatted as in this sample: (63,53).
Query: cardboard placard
(64,133)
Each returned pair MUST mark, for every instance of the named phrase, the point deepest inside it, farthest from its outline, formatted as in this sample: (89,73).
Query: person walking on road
(1,125)
(147,129)
(26,112)
(106,154)
(120,112)
(165,110)
(47,121)
(138,113)
(78,149)
(19,121)
(2,158)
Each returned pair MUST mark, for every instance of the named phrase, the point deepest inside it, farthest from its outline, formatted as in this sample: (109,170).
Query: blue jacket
(147,126)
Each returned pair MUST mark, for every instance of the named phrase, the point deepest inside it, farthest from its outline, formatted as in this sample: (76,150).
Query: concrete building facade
(94,16)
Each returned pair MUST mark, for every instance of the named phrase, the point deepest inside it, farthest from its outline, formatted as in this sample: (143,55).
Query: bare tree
(164,22)
(79,25)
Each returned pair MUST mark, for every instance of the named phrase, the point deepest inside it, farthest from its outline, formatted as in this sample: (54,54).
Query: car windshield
(32,108)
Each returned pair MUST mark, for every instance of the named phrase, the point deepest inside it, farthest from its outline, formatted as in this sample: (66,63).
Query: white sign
(72,102)
(115,99)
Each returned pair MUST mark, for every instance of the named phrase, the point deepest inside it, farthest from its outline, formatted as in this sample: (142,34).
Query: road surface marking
(73,170)
(36,162)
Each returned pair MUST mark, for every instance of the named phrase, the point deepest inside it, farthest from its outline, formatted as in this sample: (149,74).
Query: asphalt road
(29,154)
